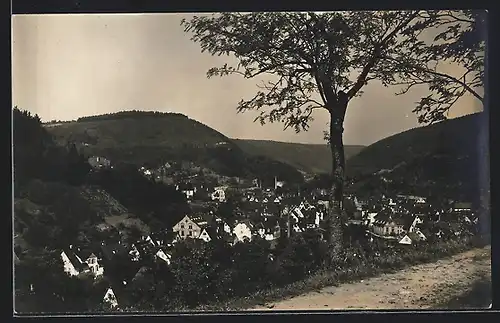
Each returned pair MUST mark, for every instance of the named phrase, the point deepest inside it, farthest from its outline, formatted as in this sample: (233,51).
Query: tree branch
(441,75)
(360,82)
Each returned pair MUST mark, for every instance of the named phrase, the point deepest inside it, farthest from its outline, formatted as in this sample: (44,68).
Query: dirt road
(418,287)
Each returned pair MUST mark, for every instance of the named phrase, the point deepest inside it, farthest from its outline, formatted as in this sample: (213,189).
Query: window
(182,226)
(190,233)
(182,233)
(190,226)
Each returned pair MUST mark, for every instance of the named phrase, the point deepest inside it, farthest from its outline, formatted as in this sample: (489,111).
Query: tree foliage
(332,55)
(459,40)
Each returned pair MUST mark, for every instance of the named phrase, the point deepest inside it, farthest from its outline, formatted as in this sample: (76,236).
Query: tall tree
(315,61)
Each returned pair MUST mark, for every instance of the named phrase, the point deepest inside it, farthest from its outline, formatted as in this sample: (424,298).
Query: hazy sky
(68,66)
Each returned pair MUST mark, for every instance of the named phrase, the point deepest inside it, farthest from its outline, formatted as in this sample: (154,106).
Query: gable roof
(80,266)
(405,240)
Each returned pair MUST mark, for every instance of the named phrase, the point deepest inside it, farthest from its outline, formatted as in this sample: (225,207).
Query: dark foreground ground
(478,297)
(462,281)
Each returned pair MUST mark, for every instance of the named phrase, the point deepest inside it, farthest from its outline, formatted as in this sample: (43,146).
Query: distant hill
(310,158)
(140,137)
(438,159)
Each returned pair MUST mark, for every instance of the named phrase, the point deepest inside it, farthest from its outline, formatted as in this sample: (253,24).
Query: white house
(94,266)
(226,228)
(243,231)
(219,194)
(371,218)
(74,265)
(416,221)
(110,298)
(187,189)
(205,236)
(160,254)
(134,253)
(187,228)
(69,268)
(278,183)
(405,240)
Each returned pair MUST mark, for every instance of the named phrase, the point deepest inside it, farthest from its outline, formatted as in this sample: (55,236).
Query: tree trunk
(335,225)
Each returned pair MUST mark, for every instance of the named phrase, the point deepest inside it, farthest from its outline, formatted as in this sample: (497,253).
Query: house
(110,298)
(278,183)
(370,218)
(385,225)
(243,231)
(204,227)
(413,226)
(412,237)
(98,162)
(95,268)
(134,253)
(205,236)
(166,257)
(222,226)
(187,228)
(406,240)
(462,207)
(219,194)
(71,264)
(187,189)
(74,265)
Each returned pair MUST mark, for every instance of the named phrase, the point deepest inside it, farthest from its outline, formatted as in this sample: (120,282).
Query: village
(259,212)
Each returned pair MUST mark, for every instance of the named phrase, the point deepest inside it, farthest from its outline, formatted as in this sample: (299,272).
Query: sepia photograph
(250,162)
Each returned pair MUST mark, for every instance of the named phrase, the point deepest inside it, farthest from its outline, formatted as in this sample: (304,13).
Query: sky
(69,66)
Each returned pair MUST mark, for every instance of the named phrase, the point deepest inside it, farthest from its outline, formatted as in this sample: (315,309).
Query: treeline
(130,114)
(59,121)
(37,156)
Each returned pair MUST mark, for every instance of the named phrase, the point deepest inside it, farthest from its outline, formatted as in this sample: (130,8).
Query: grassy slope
(310,158)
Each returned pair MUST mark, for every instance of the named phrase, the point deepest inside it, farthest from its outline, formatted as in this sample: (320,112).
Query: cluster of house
(266,213)
(400,218)
(397,220)
(265,223)
(91,260)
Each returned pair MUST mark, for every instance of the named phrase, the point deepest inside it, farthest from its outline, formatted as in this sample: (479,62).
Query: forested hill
(444,157)
(140,137)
